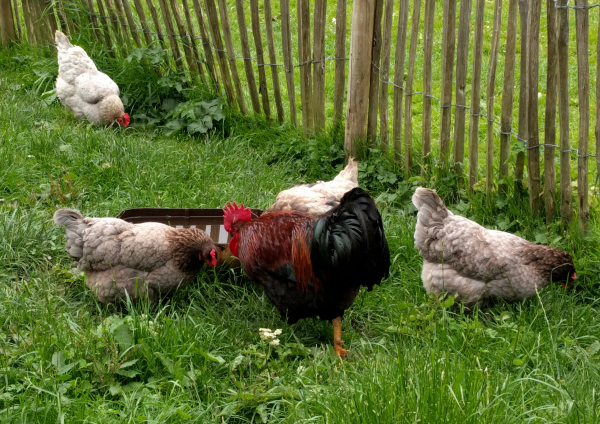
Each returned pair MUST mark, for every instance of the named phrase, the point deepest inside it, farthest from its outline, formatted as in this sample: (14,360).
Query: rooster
(478,265)
(136,260)
(318,198)
(83,89)
(311,266)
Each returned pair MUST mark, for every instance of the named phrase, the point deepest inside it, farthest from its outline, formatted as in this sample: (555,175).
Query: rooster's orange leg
(337,337)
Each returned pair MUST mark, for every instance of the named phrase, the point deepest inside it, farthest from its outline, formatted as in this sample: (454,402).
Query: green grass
(198,356)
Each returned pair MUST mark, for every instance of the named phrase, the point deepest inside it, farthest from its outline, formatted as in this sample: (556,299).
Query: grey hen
(463,258)
(141,260)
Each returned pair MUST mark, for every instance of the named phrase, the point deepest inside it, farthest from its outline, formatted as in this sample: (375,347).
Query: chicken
(478,265)
(121,259)
(318,198)
(311,266)
(83,89)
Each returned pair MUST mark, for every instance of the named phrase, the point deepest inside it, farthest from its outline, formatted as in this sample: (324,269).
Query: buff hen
(121,259)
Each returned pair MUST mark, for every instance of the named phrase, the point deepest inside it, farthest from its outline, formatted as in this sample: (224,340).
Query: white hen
(83,89)
(318,198)
(463,258)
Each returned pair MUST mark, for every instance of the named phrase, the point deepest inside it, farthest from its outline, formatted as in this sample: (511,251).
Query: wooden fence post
(566,191)
(304,57)
(363,15)
(143,22)
(248,65)
(597,128)
(7,29)
(205,39)
(475,96)
(583,79)
(340,63)
(399,85)
(491,85)
(508,91)
(550,119)
(171,35)
(427,81)
(319,64)
(533,139)
(410,76)
(231,55)
(462,59)
(386,48)
(273,60)
(213,21)
(260,58)
(448,44)
(286,42)
(523,92)
(374,79)
(131,22)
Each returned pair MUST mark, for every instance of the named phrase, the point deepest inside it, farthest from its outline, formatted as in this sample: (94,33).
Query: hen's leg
(337,337)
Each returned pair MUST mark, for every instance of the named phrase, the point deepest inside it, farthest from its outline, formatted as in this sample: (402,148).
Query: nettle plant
(166,99)
(195,117)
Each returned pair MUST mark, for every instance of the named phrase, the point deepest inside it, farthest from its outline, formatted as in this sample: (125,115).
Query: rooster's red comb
(233,213)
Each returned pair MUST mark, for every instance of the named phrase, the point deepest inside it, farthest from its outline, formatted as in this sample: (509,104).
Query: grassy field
(198,357)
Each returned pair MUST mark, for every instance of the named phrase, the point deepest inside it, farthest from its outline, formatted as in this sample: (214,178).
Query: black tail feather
(349,245)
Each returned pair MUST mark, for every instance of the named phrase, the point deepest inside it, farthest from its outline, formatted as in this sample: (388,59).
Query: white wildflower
(277,332)
(274,342)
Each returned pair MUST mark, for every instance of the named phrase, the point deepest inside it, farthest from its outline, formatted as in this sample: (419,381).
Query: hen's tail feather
(62,42)
(430,216)
(349,245)
(73,221)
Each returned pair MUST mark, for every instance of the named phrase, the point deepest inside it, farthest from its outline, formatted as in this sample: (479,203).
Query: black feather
(349,247)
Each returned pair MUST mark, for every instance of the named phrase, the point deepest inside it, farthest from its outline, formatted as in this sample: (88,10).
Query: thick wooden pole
(583,83)
(7,29)
(363,14)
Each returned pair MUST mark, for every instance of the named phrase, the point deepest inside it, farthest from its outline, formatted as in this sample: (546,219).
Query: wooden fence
(205,45)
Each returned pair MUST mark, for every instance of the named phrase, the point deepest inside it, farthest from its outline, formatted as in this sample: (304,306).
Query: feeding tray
(208,220)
